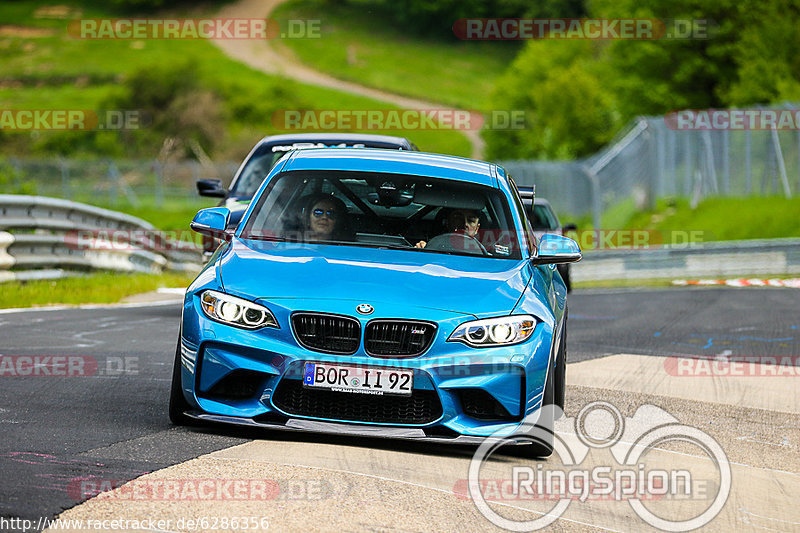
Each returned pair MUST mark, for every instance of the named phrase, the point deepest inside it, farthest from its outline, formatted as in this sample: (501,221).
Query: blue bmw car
(380,293)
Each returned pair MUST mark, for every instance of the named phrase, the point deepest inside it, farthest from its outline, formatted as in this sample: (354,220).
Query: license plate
(358,379)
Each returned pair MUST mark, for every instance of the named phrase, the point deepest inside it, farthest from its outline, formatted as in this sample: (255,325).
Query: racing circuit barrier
(42,235)
(716,259)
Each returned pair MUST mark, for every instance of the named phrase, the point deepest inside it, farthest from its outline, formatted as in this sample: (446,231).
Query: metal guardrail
(38,232)
(724,259)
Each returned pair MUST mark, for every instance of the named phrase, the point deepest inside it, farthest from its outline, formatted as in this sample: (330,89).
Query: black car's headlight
(236,311)
(501,331)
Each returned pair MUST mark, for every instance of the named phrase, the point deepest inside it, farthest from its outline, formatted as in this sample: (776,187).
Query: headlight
(501,331)
(235,311)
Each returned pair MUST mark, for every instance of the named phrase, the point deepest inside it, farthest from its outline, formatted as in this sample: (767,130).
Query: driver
(466,221)
(325,218)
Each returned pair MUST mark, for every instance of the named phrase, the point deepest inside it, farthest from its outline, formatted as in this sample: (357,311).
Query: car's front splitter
(353,430)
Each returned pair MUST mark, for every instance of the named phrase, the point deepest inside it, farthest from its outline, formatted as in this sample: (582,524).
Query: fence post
(726,163)
(597,206)
(781,163)
(688,163)
(158,177)
(748,165)
(17,174)
(113,177)
(65,190)
(712,169)
(652,155)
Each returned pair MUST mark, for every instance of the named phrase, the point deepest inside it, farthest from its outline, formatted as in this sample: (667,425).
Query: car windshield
(543,218)
(261,162)
(378,210)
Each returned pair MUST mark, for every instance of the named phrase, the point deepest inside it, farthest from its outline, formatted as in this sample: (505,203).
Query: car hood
(469,285)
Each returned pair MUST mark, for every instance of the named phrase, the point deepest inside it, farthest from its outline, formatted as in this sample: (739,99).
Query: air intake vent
(479,404)
(327,333)
(421,407)
(238,385)
(398,338)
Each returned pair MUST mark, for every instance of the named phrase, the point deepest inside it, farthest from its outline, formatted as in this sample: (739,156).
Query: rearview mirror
(555,249)
(211,221)
(211,187)
(389,194)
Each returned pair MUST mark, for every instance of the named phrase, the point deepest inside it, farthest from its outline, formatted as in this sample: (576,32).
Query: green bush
(174,106)
(11,184)
(569,110)
(436,17)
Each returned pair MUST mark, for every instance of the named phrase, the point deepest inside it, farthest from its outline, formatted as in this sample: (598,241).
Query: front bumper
(217,359)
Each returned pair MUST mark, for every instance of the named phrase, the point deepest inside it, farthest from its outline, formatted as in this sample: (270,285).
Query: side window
(529,235)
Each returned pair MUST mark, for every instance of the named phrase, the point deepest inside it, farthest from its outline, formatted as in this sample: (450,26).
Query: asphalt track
(109,421)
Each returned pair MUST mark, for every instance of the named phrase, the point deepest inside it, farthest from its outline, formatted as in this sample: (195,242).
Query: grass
(673,221)
(364,48)
(724,219)
(174,214)
(56,71)
(621,283)
(93,288)
(664,282)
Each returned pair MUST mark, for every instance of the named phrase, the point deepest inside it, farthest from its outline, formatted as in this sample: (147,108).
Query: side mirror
(211,187)
(555,249)
(211,222)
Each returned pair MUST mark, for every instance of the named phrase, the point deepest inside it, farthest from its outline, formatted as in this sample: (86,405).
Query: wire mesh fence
(111,181)
(657,157)
(654,157)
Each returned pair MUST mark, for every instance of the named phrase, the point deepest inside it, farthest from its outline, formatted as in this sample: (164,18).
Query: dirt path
(269,57)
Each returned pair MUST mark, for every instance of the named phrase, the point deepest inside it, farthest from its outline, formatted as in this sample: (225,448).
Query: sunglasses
(330,213)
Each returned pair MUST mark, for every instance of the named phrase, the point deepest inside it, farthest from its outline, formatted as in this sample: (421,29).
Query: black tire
(177,403)
(542,436)
(560,373)
(564,270)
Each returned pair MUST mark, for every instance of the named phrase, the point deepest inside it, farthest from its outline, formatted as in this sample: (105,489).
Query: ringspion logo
(602,455)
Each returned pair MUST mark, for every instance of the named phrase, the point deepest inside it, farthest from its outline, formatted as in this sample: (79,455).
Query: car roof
(338,137)
(394,162)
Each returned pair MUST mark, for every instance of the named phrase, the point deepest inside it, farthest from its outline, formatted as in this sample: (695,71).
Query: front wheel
(177,402)
(564,270)
(560,371)
(542,433)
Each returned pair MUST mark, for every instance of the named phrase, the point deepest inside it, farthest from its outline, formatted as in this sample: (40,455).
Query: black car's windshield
(385,211)
(543,218)
(262,161)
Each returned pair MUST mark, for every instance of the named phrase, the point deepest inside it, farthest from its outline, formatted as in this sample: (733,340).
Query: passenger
(326,219)
(466,221)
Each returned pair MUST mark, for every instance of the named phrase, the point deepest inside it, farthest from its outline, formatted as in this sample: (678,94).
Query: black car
(544,220)
(263,156)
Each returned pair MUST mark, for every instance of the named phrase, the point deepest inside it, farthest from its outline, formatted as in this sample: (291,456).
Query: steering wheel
(456,242)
